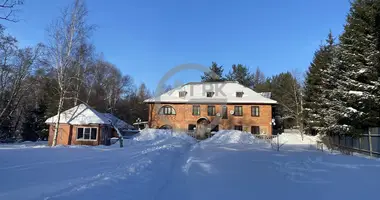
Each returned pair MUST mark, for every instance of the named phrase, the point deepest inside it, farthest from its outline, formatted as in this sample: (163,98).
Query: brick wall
(67,135)
(63,134)
(184,117)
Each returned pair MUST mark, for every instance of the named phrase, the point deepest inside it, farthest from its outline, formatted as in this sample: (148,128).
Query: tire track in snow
(134,165)
(177,181)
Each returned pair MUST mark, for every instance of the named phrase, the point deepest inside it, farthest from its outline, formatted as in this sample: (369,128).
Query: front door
(106,134)
(202,127)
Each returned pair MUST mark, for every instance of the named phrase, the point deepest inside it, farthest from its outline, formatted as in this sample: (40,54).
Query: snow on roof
(266,94)
(84,114)
(224,92)
(359,93)
(120,124)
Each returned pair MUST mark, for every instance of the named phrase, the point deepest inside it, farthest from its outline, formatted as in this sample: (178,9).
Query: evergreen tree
(356,70)
(315,86)
(286,90)
(263,86)
(214,75)
(241,74)
(34,126)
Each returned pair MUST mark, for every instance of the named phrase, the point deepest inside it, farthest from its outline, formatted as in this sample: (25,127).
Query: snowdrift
(159,134)
(295,138)
(221,137)
(26,144)
(231,137)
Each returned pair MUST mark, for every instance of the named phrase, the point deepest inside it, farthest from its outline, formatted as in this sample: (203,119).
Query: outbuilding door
(106,135)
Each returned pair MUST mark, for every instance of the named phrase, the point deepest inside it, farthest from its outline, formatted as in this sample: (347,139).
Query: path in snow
(159,166)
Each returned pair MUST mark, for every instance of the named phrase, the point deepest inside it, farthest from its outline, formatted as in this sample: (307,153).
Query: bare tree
(16,65)
(297,87)
(66,36)
(83,61)
(8,8)
(258,77)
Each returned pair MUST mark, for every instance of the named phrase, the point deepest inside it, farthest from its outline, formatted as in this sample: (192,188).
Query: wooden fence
(368,143)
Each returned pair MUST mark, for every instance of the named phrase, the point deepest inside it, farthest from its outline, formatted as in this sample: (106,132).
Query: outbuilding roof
(85,115)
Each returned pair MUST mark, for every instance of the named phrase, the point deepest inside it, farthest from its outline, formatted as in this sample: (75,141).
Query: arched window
(166,110)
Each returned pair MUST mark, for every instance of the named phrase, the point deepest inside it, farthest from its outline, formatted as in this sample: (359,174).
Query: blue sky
(146,39)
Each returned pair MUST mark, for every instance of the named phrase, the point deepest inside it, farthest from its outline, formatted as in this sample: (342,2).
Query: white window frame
(162,110)
(82,139)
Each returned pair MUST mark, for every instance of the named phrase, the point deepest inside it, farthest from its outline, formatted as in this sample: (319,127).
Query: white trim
(84,127)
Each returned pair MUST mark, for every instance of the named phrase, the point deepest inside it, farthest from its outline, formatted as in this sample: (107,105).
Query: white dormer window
(210,94)
(182,94)
(239,94)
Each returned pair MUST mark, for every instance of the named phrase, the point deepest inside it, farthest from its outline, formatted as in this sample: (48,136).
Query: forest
(338,94)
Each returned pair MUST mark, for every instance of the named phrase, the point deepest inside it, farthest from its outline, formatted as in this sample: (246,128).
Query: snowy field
(163,165)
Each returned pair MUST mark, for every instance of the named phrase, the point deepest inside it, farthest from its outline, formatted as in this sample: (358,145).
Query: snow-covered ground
(168,165)
(291,138)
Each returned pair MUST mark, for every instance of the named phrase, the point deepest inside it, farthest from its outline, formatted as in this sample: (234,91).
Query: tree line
(41,81)
(342,86)
(286,88)
(340,92)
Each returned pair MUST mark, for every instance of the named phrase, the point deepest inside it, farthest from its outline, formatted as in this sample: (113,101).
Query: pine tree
(34,126)
(264,86)
(241,74)
(356,90)
(315,86)
(215,74)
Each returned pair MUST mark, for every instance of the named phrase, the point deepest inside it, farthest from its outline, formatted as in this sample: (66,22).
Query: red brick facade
(184,117)
(67,135)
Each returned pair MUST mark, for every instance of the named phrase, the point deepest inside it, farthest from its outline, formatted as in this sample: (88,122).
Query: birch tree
(66,35)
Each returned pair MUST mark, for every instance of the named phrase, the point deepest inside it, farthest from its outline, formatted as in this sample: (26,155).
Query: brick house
(219,105)
(83,125)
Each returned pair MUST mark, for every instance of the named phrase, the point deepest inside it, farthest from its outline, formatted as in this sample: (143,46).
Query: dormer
(210,94)
(239,94)
(182,94)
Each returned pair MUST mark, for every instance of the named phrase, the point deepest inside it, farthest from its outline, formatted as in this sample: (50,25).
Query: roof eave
(206,102)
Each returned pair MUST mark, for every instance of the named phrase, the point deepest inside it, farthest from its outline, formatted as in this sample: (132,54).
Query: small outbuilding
(83,125)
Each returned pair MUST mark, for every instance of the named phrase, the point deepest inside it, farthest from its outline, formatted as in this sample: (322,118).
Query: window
(255,130)
(255,111)
(87,133)
(191,127)
(166,110)
(211,111)
(196,110)
(239,94)
(210,94)
(239,128)
(182,94)
(224,112)
(238,111)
